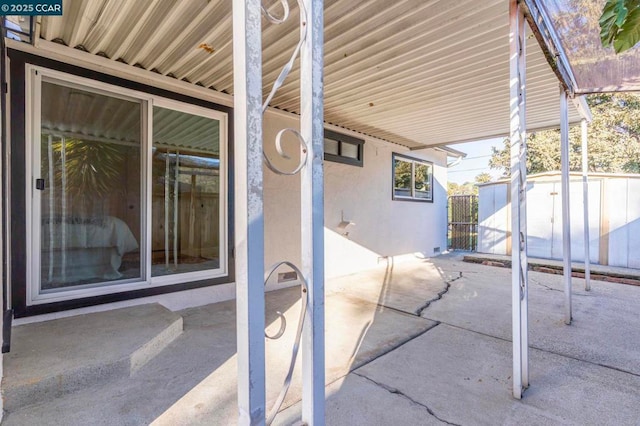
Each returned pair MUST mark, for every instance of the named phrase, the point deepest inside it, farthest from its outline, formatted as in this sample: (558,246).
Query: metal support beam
(580,103)
(585,205)
(249,219)
(566,216)
(549,41)
(519,276)
(312,213)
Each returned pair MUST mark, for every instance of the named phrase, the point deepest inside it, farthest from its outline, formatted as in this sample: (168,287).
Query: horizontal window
(412,179)
(343,148)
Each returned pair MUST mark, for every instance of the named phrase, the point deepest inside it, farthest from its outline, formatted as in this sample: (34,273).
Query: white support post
(249,219)
(312,214)
(519,265)
(585,205)
(566,217)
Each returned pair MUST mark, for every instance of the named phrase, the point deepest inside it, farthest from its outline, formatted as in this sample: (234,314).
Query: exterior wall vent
(287,276)
(436,250)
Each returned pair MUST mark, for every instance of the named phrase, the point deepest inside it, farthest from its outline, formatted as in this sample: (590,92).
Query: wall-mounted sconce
(343,226)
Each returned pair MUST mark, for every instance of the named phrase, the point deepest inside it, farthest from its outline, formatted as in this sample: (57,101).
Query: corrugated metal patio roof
(412,72)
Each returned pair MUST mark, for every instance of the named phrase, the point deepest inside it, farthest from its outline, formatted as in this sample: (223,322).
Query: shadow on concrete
(424,341)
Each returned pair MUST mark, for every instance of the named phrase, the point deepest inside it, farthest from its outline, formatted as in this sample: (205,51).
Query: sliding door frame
(27,302)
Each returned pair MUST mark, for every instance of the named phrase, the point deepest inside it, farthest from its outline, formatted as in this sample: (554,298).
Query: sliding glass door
(88,188)
(128,191)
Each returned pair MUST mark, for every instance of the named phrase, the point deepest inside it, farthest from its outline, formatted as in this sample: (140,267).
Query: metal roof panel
(413,72)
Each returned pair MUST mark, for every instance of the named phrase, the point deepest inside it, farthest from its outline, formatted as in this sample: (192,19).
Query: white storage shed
(614,218)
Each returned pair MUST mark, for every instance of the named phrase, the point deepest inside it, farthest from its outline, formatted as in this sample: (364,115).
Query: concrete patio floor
(418,342)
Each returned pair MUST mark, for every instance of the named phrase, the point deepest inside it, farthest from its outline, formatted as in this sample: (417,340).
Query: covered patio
(415,342)
(405,80)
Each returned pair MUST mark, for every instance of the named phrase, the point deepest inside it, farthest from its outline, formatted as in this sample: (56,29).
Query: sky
(476,162)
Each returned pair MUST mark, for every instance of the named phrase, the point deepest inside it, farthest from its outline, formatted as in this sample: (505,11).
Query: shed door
(540,220)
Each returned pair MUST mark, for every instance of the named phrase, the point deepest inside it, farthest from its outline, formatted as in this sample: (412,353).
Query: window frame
(19,139)
(223,190)
(413,162)
(36,75)
(344,139)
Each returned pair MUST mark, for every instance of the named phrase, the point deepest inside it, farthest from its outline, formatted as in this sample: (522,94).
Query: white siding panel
(501,224)
(493,223)
(633,220)
(621,203)
(556,221)
(540,219)
(594,220)
(577,221)
(618,235)
(486,219)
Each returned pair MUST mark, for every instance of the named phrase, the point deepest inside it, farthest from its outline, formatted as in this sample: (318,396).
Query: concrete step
(53,358)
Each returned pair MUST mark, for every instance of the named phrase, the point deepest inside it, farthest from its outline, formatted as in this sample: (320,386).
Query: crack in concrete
(441,293)
(407,397)
(545,286)
(393,348)
(538,348)
(554,289)
(400,311)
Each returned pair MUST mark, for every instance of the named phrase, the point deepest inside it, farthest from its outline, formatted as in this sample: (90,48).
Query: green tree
(483,177)
(614,140)
(466,188)
(452,188)
(620,24)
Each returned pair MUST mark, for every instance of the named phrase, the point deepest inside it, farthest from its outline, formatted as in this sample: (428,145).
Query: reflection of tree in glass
(92,169)
(402,174)
(422,177)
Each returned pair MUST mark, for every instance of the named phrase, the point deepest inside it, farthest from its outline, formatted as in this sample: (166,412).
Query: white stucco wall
(383,227)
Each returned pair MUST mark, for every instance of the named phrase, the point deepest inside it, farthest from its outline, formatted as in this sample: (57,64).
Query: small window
(412,179)
(343,149)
